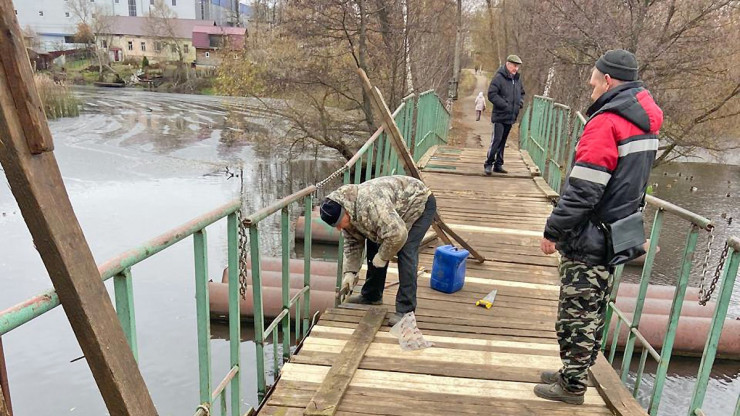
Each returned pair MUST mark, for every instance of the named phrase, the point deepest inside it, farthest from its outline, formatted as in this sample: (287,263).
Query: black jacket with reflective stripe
(612,166)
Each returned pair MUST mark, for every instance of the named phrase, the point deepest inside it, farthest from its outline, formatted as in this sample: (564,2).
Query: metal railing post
(285,229)
(259,318)
(729,274)
(647,270)
(678,297)
(124,290)
(4,387)
(306,271)
(203,315)
(234,310)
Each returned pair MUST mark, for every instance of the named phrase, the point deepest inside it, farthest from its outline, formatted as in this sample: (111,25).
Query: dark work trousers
(408,261)
(477,115)
(498,143)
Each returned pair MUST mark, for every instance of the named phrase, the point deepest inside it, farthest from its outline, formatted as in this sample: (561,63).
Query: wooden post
(390,127)
(33,174)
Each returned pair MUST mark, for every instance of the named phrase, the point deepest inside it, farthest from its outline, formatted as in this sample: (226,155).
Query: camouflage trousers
(584,292)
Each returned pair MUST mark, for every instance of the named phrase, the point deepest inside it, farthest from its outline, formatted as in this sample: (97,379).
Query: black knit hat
(331,212)
(619,64)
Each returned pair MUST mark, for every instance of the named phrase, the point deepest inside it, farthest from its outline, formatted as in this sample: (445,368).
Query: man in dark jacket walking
(597,223)
(507,95)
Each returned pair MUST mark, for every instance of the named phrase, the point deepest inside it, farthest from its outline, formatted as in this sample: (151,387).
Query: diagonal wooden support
(26,155)
(390,127)
(326,400)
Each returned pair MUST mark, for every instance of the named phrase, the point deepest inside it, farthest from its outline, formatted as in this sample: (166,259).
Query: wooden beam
(17,72)
(33,174)
(326,400)
(390,127)
(441,224)
(616,396)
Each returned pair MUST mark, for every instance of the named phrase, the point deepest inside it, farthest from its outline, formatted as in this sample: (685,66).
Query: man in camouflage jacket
(389,216)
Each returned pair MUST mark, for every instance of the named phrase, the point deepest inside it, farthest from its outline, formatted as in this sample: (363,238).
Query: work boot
(395,318)
(556,392)
(358,298)
(549,377)
(500,170)
(487,170)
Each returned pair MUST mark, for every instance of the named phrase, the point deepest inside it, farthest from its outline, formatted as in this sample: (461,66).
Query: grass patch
(57,99)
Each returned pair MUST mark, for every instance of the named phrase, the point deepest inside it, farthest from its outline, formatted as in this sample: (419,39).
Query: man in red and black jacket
(607,183)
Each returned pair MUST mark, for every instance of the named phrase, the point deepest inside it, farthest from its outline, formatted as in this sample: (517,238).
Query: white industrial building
(54,24)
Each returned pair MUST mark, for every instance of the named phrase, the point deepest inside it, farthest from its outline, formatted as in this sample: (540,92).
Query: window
(157,46)
(66,14)
(130,45)
(208,54)
(132,7)
(185,48)
(173,48)
(69,39)
(151,2)
(116,1)
(105,44)
(174,2)
(41,12)
(143,46)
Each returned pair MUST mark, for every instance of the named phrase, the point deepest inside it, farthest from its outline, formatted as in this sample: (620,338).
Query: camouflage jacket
(382,210)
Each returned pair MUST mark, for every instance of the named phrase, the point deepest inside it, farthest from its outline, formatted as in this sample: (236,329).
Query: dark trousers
(408,262)
(498,143)
(477,115)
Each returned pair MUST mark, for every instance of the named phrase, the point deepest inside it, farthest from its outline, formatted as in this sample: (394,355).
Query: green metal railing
(542,133)
(426,119)
(119,268)
(432,123)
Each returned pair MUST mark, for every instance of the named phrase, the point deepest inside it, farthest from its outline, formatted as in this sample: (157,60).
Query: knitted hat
(618,64)
(331,212)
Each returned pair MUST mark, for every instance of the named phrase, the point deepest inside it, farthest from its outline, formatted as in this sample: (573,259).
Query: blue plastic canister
(448,269)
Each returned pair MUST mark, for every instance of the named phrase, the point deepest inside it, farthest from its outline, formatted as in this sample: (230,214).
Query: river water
(137,164)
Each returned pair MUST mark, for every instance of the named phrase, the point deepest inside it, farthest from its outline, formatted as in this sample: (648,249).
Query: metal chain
(336,174)
(705,266)
(704,297)
(242,247)
(243,240)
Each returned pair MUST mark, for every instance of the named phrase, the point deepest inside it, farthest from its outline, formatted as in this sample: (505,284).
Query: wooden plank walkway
(483,361)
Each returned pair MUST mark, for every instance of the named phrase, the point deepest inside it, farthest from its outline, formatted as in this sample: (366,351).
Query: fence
(377,157)
(544,134)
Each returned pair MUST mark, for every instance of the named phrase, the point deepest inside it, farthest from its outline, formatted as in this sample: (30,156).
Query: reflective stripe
(591,175)
(638,146)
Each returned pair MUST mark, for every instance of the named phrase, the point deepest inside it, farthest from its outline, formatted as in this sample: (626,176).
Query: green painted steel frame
(379,158)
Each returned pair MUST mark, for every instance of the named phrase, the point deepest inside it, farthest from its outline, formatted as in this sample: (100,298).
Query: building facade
(54,23)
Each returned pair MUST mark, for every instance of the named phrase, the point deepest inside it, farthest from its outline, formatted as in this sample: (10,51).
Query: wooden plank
(385,402)
(33,174)
(18,75)
(424,159)
(412,383)
(546,189)
(335,383)
(616,396)
(533,169)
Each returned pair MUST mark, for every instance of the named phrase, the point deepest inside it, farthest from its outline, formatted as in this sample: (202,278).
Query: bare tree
(95,22)
(686,48)
(163,27)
